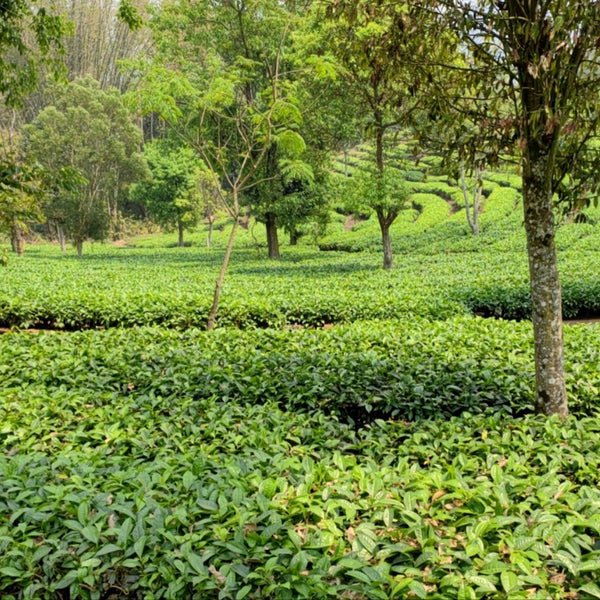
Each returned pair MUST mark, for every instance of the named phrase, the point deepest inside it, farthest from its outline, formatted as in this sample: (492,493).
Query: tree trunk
(61,238)
(79,246)
(477,193)
(272,238)
(551,396)
(472,211)
(215,305)
(17,240)
(179,234)
(384,224)
(472,219)
(294,237)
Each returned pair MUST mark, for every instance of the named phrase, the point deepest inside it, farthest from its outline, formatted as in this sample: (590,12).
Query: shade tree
(533,70)
(378,47)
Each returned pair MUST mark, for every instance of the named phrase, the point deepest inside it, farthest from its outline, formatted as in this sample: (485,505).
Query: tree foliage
(173,195)
(29,32)
(89,131)
(532,70)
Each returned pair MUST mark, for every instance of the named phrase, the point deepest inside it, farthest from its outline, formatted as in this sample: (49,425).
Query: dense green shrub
(154,464)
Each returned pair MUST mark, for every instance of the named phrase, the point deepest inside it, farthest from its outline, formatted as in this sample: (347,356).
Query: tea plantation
(344,433)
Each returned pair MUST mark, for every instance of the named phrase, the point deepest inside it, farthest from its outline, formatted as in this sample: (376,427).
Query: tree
(377,45)
(19,200)
(533,69)
(383,192)
(229,105)
(173,195)
(29,36)
(29,33)
(88,131)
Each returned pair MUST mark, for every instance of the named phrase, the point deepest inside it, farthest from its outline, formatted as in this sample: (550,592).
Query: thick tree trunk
(17,240)
(551,396)
(79,246)
(384,224)
(179,234)
(219,284)
(272,238)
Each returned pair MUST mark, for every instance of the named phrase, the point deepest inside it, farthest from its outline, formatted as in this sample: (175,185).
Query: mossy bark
(551,396)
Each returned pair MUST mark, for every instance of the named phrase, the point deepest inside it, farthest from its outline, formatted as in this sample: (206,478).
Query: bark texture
(272,236)
(210,325)
(551,396)
(17,240)
(472,210)
(384,224)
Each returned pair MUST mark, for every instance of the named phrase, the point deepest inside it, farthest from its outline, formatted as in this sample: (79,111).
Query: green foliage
(21,192)
(89,134)
(127,469)
(384,192)
(173,195)
(30,34)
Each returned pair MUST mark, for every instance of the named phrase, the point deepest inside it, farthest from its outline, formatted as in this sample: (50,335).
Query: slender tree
(228,104)
(379,45)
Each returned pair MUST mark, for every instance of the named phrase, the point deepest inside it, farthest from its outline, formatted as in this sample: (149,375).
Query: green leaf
(417,588)
(483,583)
(367,539)
(138,547)
(188,479)
(197,563)
(207,505)
(12,572)
(107,549)
(243,592)
(590,588)
(510,581)
(91,533)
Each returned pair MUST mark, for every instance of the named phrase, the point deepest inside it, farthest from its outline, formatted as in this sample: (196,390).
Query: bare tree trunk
(17,240)
(215,305)
(61,238)
(294,236)
(472,210)
(551,397)
(79,246)
(179,233)
(384,224)
(272,237)
(13,241)
(345,162)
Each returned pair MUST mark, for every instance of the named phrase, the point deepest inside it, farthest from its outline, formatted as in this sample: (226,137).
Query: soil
(351,221)
(581,321)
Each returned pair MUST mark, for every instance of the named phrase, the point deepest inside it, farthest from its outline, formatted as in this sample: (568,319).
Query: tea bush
(145,463)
